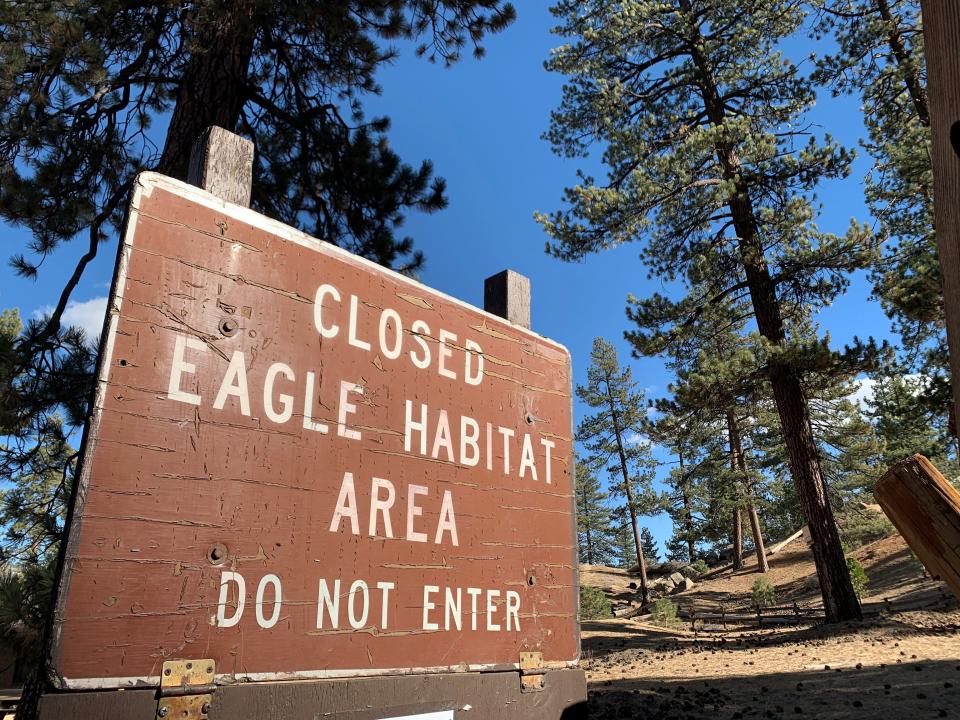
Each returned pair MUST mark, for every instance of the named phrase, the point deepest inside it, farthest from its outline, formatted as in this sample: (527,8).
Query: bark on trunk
(687,513)
(839,600)
(762,565)
(740,468)
(212,90)
(618,432)
(911,75)
(735,464)
(737,539)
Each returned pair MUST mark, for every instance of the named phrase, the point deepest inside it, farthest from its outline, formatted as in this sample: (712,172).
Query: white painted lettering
(261,588)
(180,367)
(235,384)
(444,353)
(414,511)
(473,350)
(352,335)
(227,577)
(390,318)
(308,421)
(448,521)
(346,506)
(409,426)
(381,507)
(420,329)
(322,291)
(346,407)
(286,401)
(358,622)
(429,605)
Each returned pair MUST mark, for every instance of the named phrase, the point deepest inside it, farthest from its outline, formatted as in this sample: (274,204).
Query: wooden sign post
(304,467)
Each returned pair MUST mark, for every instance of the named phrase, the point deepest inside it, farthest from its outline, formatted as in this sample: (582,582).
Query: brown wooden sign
(302,465)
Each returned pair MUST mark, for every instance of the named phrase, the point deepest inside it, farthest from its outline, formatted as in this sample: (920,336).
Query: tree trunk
(687,514)
(762,565)
(212,90)
(734,442)
(740,467)
(908,68)
(839,599)
(737,539)
(629,493)
(28,707)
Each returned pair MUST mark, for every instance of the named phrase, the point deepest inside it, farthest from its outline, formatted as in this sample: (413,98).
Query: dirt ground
(902,665)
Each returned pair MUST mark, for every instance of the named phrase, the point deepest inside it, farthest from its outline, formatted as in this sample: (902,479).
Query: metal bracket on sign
(531,671)
(186,689)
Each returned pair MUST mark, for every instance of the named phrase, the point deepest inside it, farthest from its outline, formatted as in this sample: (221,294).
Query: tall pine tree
(712,166)
(611,437)
(879,59)
(595,532)
(649,545)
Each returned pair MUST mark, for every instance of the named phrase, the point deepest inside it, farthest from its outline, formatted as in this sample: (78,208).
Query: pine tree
(677,549)
(684,436)
(595,534)
(82,84)
(624,539)
(702,119)
(610,436)
(879,58)
(649,546)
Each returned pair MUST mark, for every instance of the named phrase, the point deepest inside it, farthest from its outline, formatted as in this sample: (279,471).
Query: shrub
(594,604)
(701,567)
(858,576)
(664,613)
(763,593)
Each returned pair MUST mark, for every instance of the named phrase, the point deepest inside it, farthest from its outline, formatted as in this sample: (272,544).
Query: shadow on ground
(908,691)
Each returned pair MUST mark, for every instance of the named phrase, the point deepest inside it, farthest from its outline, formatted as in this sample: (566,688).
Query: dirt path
(904,666)
(907,668)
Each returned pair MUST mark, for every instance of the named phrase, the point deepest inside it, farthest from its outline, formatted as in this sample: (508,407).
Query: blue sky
(480,123)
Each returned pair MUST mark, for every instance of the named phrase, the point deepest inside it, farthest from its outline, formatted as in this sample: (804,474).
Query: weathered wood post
(222,164)
(925,508)
(507,294)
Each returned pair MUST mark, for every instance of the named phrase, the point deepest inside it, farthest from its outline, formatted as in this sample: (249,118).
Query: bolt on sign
(303,465)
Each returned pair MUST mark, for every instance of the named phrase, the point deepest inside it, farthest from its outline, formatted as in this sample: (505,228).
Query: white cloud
(863,392)
(635,438)
(87,315)
(866,385)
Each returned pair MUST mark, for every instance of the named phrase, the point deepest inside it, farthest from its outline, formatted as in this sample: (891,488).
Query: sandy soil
(898,665)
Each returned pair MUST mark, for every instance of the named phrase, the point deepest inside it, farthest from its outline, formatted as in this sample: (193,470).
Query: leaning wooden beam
(941,28)
(925,508)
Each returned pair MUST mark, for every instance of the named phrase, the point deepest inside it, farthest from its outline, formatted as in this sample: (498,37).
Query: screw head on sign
(205,709)
(215,555)
(162,712)
(229,326)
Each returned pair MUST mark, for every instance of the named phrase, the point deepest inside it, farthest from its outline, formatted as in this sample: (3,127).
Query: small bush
(701,567)
(664,613)
(858,576)
(763,593)
(594,604)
